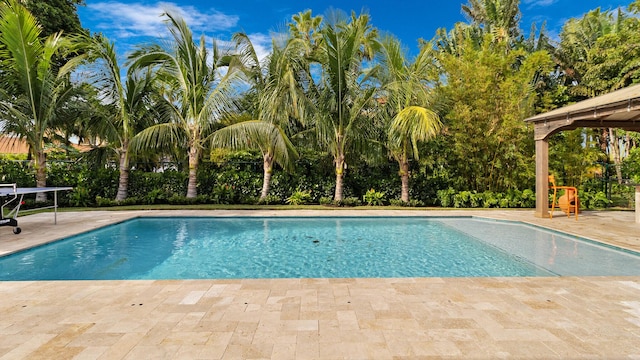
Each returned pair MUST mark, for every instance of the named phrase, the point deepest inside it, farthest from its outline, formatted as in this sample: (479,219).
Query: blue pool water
(224,248)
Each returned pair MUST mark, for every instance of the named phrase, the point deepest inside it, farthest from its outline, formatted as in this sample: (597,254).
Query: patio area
(476,318)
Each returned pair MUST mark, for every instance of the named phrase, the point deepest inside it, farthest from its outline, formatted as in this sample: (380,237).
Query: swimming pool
(321,247)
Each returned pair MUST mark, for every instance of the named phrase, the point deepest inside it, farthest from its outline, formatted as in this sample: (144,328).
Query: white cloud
(130,23)
(261,44)
(127,20)
(540,3)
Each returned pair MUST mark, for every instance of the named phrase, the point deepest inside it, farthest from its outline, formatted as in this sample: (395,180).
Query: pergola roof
(617,109)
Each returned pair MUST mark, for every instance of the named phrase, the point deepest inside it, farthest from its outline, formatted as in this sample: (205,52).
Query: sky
(129,22)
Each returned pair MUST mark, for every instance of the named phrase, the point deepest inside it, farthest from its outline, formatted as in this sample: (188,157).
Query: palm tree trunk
(340,165)
(266,179)
(41,174)
(123,181)
(194,154)
(404,177)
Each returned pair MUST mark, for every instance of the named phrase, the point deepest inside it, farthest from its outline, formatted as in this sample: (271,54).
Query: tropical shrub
(373,198)
(269,200)
(411,203)
(445,197)
(79,197)
(349,201)
(224,194)
(299,197)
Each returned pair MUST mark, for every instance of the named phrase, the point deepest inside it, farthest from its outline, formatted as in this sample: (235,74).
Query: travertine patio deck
(477,318)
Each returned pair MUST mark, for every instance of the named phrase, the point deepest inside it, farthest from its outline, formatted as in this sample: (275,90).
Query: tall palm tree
(499,17)
(453,42)
(269,138)
(578,37)
(306,27)
(195,91)
(130,98)
(35,88)
(405,97)
(343,118)
(278,99)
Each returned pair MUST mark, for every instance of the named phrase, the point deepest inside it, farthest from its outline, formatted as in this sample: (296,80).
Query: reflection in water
(265,231)
(554,249)
(182,234)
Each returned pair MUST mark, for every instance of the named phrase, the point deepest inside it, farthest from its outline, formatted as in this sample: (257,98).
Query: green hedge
(238,180)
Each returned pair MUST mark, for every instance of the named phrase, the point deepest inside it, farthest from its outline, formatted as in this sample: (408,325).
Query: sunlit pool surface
(321,247)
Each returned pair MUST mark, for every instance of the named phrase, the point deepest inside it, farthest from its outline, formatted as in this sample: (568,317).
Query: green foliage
(299,197)
(342,101)
(224,194)
(411,203)
(631,166)
(373,198)
(489,92)
(56,15)
(593,200)
(445,197)
(35,88)
(16,171)
(490,80)
(490,200)
(487,199)
(189,73)
(270,200)
(102,202)
(462,199)
(572,155)
(155,196)
(79,197)
(348,201)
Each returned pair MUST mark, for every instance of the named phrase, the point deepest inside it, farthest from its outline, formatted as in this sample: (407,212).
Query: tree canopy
(334,91)
(56,15)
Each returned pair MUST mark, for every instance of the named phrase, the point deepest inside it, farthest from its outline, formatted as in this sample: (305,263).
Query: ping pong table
(11,195)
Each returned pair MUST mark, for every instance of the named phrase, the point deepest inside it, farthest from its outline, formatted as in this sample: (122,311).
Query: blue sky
(131,22)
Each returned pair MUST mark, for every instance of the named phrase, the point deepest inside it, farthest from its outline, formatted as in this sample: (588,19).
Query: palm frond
(413,124)
(20,35)
(160,136)
(255,134)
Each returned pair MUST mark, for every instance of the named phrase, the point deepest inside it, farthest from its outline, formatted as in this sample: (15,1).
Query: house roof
(13,145)
(16,145)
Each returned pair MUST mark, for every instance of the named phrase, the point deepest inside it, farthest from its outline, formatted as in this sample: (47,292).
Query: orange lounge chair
(567,202)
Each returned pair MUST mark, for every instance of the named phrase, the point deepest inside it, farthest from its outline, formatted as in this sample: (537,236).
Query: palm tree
(306,27)
(278,99)
(579,37)
(584,60)
(269,138)
(343,118)
(35,88)
(499,17)
(453,42)
(405,95)
(131,101)
(194,90)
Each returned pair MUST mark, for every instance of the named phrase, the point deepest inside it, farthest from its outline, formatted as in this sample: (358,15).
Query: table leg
(55,207)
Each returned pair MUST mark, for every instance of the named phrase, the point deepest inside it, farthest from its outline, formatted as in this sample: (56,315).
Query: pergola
(619,109)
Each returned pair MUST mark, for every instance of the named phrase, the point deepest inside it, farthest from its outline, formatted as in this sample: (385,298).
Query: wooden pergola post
(542,181)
